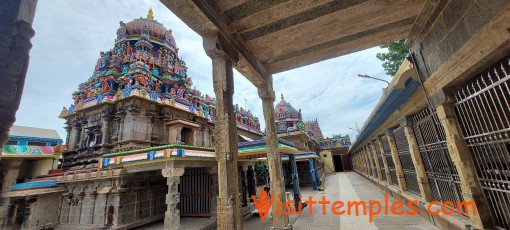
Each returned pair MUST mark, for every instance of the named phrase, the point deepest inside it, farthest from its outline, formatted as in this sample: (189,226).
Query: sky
(71,34)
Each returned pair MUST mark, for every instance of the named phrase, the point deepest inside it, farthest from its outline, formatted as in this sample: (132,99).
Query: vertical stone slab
(172,214)
(385,162)
(421,174)
(463,161)
(376,161)
(396,160)
(229,215)
(266,93)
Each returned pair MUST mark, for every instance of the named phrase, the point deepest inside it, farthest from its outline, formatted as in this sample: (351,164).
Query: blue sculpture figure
(166,87)
(154,96)
(126,92)
(100,98)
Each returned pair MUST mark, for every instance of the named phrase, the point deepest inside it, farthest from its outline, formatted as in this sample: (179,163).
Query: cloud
(70,35)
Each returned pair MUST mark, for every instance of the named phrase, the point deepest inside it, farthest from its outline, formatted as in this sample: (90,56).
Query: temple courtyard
(342,186)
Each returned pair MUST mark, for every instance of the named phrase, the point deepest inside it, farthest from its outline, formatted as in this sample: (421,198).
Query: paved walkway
(350,186)
(347,186)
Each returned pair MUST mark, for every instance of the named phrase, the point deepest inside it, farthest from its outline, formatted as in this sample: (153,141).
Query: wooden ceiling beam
(339,48)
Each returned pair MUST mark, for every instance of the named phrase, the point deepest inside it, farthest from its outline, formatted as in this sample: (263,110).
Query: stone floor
(347,186)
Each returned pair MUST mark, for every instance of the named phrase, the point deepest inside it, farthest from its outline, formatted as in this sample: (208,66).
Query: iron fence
(406,161)
(367,162)
(380,159)
(483,111)
(389,160)
(441,172)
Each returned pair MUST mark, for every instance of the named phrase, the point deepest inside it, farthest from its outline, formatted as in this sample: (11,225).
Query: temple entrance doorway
(195,193)
(337,161)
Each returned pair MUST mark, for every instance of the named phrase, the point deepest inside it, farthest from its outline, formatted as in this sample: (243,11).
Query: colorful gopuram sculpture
(288,119)
(140,95)
(313,129)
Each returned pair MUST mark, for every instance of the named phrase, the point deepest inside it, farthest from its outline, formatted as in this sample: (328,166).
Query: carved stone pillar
(172,214)
(376,161)
(205,136)
(73,136)
(229,215)
(15,35)
(396,160)
(87,208)
(105,130)
(371,164)
(266,93)
(414,151)
(100,208)
(463,161)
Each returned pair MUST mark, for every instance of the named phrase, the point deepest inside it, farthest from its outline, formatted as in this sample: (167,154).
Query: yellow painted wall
(327,159)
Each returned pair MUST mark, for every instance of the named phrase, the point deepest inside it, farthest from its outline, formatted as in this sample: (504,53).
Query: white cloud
(70,35)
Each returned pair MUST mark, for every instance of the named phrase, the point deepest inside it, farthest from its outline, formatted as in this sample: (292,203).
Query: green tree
(392,60)
(262,173)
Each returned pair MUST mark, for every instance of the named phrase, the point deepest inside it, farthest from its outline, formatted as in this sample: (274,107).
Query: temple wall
(44,212)
(448,26)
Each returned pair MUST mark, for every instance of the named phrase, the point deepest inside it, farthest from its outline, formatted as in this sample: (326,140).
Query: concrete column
(311,166)
(266,93)
(376,161)
(384,161)
(414,151)
(229,214)
(172,214)
(11,173)
(463,161)
(396,160)
(295,179)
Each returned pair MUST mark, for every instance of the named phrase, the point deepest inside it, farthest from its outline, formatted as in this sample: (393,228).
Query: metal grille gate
(367,163)
(389,160)
(483,111)
(195,192)
(406,161)
(441,172)
(380,159)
